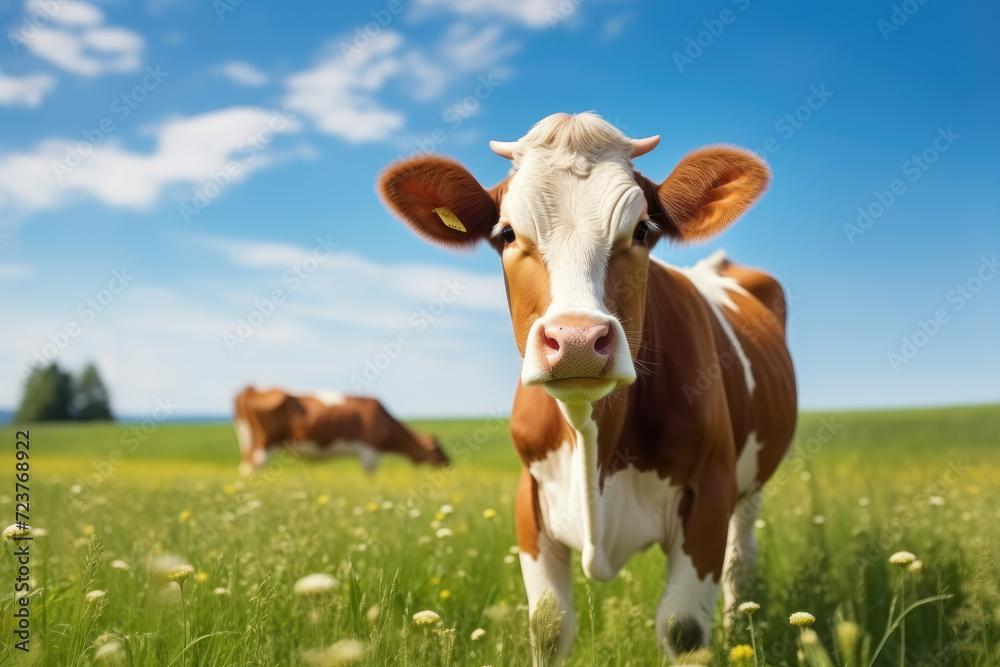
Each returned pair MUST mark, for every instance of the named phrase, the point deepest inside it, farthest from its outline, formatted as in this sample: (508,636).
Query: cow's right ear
(439,199)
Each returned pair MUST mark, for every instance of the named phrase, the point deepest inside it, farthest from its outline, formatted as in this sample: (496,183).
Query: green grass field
(922,481)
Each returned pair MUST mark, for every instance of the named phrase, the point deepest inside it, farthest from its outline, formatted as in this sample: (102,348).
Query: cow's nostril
(550,342)
(603,344)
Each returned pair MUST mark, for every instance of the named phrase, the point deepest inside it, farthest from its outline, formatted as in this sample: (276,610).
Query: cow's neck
(401,440)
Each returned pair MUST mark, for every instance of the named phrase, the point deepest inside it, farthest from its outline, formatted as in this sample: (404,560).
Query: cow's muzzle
(577,356)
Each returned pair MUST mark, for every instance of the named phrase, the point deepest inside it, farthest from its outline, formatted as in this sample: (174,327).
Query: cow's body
(321,425)
(678,454)
(654,401)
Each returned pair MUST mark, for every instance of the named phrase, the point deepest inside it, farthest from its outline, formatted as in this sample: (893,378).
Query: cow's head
(574,224)
(431,451)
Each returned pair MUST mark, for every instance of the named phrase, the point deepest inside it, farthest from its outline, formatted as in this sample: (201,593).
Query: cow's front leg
(548,581)
(684,616)
(695,558)
(549,585)
(368,456)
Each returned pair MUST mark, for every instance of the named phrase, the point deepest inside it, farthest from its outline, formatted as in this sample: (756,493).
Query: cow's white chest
(633,511)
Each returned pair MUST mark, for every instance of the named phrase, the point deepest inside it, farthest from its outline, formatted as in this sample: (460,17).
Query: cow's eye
(507,234)
(641,230)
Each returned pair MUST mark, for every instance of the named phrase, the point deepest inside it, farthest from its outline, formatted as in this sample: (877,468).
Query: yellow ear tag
(449,218)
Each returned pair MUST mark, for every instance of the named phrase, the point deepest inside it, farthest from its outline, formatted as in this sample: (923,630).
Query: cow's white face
(574,224)
(569,226)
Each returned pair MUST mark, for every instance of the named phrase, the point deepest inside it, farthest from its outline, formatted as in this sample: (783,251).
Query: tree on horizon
(47,393)
(50,394)
(90,397)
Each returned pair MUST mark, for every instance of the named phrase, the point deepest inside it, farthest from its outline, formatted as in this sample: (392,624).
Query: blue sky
(118,122)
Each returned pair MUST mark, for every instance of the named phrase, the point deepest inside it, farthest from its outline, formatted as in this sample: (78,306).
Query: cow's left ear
(709,190)
(439,199)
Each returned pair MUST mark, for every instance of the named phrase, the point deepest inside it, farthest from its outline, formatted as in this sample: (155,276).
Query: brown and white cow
(321,425)
(653,401)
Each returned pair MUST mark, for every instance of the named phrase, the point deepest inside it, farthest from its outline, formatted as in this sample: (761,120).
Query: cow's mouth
(579,389)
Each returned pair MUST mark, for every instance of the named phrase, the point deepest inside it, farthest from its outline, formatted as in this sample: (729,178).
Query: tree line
(51,394)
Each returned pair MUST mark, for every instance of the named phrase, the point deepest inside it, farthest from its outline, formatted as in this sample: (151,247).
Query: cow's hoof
(684,635)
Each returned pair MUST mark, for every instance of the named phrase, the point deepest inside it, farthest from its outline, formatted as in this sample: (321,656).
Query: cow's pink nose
(575,349)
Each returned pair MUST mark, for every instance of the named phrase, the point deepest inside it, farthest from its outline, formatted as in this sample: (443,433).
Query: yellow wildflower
(741,655)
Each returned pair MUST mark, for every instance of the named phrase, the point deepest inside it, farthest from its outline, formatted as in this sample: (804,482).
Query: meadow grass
(857,488)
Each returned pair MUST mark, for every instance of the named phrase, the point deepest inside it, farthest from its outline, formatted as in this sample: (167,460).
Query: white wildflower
(802,619)
(110,652)
(315,584)
(902,558)
(15,530)
(426,617)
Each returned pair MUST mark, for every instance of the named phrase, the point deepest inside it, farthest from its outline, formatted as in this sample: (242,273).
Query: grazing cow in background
(322,425)
(653,401)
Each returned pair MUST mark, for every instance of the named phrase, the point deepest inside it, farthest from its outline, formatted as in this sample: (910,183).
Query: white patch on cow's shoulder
(330,398)
(324,396)
(715,288)
(633,511)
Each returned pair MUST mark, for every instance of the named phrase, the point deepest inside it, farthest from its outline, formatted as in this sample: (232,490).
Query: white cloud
(77,40)
(25,91)
(469,49)
(530,13)
(253,254)
(416,282)
(243,73)
(188,150)
(155,341)
(66,12)
(339,93)
(426,79)
(11,271)
(615,25)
